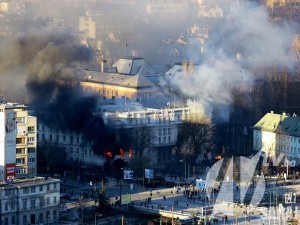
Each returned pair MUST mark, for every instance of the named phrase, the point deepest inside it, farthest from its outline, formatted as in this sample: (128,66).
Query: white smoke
(248,32)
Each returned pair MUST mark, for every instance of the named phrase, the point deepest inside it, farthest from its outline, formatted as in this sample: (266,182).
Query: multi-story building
(130,78)
(168,7)
(30,201)
(278,134)
(18,140)
(76,147)
(102,25)
(285,9)
(162,124)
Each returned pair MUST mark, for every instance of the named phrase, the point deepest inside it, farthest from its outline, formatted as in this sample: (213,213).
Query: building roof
(10,105)
(132,65)
(28,182)
(132,81)
(279,123)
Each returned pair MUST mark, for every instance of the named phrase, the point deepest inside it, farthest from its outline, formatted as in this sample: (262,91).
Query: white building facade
(277,134)
(30,201)
(76,147)
(163,124)
(18,140)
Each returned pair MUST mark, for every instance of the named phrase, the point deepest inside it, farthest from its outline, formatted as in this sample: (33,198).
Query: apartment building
(278,133)
(163,124)
(30,201)
(76,147)
(18,139)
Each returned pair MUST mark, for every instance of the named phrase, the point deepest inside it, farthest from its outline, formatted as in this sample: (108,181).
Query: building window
(54,215)
(32,204)
(48,187)
(32,189)
(20,150)
(24,219)
(24,204)
(20,160)
(6,221)
(31,139)
(6,206)
(13,205)
(55,185)
(25,190)
(43,137)
(71,139)
(159,140)
(20,140)
(54,199)
(48,216)
(31,150)
(41,188)
(50,137)
(31,160)
(30,129)
(41,217)
(41,202)
(64,138)
(13,220)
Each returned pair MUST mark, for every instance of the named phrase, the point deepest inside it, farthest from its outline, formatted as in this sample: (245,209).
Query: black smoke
(49,64)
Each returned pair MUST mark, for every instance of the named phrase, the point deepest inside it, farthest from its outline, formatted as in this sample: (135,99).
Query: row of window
(23,150)
(79,151)
(148,120)
(163,140)
(22,140)
(32,218)
(22,160)
(164,131)
(33,189)
(58,138)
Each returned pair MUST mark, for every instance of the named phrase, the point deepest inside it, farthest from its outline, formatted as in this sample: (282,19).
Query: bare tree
(195,135)
(142,139)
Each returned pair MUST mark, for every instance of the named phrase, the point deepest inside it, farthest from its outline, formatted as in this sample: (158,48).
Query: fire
(108,154)
(219,157)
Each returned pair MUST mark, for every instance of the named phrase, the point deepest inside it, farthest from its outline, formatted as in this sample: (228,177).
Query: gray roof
(132,65)
(133,81)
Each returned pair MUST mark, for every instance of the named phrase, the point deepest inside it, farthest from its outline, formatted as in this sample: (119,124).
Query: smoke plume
(49,65)
(247,32)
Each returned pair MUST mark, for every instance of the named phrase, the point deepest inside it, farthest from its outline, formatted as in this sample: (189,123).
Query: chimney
(102,64)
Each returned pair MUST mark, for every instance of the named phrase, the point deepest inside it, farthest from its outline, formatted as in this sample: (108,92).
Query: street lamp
(99,215)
